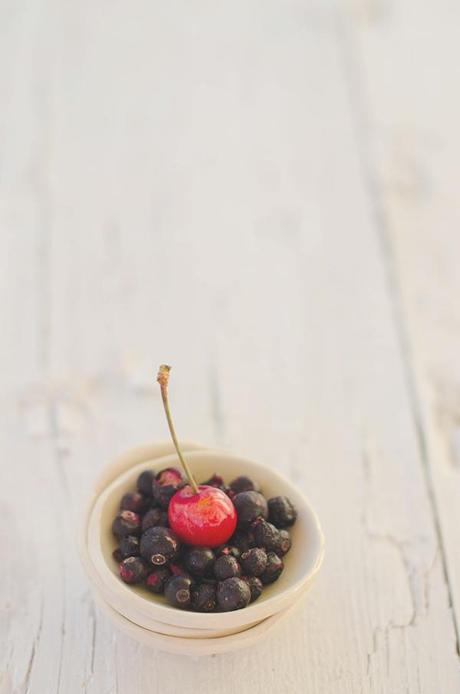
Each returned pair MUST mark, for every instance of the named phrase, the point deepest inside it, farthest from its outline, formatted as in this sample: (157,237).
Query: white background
(265,195)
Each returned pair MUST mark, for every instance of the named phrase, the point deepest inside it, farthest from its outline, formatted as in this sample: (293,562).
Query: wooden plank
(406,90)
(209,208)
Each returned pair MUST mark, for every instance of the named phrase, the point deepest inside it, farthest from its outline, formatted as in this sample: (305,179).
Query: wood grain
(407,128)
(193,184)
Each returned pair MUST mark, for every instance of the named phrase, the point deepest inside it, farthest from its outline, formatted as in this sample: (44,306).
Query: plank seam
(360,121)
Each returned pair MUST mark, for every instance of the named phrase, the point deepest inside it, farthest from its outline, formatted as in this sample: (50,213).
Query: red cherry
(199,515)
(206,518)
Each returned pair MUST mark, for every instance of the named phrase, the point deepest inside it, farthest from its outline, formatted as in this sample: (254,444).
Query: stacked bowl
(147,617)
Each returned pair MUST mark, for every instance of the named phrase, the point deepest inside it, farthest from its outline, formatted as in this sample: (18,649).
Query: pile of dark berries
(221,579)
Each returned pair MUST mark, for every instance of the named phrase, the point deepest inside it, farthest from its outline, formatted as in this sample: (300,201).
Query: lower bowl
(148,611)
(194,647)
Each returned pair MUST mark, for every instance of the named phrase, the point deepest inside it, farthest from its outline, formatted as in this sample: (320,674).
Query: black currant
(159,545)
(255,586)
(133,501)
(281,511)
(126,523)
(273,570)
(155,516)
(132,570)
(144,482)
(117,555)
(157,579)
(226,566)
(254,561)
(244,484)
(178,591)
(283,543)
(215,481)
(204,597)
(249,506)
(233,594)
(266,535)
(199,560)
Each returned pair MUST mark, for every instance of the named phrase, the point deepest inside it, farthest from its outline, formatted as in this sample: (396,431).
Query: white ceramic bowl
(151,612)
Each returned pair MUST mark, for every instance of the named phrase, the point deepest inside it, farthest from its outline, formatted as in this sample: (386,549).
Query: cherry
(202,515)
(206,518)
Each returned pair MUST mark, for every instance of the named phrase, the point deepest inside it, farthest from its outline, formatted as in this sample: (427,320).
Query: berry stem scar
(163,378)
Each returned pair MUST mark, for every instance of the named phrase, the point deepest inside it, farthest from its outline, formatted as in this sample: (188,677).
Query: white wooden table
(264,194)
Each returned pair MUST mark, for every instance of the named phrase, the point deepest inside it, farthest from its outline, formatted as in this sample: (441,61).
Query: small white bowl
(152,612)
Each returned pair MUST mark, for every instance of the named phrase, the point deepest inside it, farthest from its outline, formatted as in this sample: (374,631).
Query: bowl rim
(163,613)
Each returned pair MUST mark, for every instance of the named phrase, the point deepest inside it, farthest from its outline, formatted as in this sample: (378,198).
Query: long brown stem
(163,378)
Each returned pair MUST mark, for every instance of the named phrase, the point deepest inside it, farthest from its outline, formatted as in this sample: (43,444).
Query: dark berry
(163,495)
(249,506)
(145,481)
(157,579)
(155,516)
(266,535)
(244,484)
(255,586)
(281,512)
(283,543)
(132,570)
(273,570)
(133,501)
(199,560)
(215,481)
(166,484)
(117,555)
(228,550)
(204,597)
(159,545)
(126,523)
(233,594)
(129,546)
(178,591)
(226,566)
(254,561)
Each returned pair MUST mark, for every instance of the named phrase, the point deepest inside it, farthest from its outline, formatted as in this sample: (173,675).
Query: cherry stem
(163,378)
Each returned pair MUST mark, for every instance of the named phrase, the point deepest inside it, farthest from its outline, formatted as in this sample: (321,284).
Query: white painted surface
(265,195)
